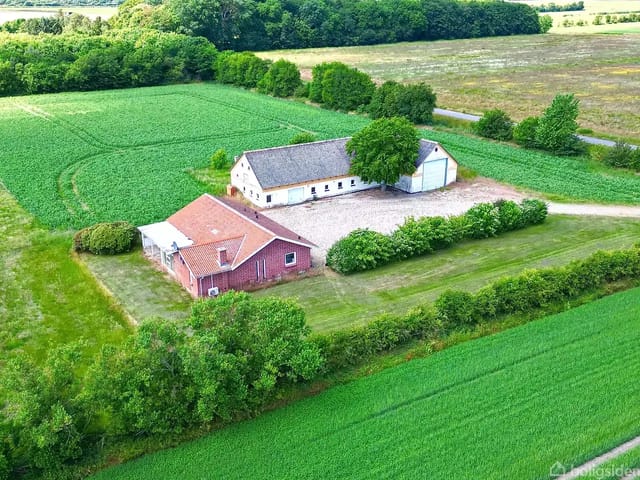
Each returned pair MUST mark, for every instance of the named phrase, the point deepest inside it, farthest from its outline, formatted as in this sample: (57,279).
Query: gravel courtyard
(325,221)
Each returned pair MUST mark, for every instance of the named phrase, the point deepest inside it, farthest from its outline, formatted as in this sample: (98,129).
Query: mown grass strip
(334,301)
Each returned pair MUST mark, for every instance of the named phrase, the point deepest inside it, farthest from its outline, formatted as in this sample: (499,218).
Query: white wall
(281,196)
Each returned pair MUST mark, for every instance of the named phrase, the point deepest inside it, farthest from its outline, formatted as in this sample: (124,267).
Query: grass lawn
(46,297)
(561,389)
(333,301)
(142,290)
(519,74)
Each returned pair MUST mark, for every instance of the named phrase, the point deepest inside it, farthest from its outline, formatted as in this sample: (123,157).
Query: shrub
(344,348)
(302,137)
(510,215)
(106,238)
(533,211)
(622,155)
(484,220)
(243,69)
(81,240)
(340,87)
(524,133)
(414,102)
(4,467)
(281,80)
(364,250)
(495,124)
(360,250)
(412,238)
(220,160)
(557,127)
(456,308)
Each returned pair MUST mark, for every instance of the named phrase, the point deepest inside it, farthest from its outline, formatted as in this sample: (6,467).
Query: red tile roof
(213,223)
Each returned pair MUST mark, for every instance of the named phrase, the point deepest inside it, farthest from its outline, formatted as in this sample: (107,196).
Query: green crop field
(519,74)
(617,468)
(562,389)
(564,178)
(334,301)
(74,159)
(77,158)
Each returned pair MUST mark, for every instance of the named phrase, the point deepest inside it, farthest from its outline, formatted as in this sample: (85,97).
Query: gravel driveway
(327,220)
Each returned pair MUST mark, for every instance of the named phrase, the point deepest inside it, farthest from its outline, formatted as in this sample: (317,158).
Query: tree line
(554,7)
(271,24)
(46,63)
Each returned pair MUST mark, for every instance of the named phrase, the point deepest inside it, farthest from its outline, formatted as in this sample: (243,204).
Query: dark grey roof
(308,162)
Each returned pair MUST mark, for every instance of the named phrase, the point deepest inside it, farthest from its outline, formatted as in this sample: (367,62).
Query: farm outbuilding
(298,173)
(213,245)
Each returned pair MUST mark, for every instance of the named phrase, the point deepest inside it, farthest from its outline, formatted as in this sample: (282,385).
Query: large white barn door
(296,195)
(434,174)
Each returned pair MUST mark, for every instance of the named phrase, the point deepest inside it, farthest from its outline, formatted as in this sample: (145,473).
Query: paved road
(475,118)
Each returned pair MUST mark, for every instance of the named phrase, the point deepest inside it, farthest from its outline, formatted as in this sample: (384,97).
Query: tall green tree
(281,80)
(557,127)
(495,124)
(384,150)
(346,89)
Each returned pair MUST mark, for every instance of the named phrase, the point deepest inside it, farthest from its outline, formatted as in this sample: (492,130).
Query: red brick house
(213,245)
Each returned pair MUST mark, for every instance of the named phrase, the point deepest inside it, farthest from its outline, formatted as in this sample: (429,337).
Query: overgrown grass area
(505,406)
(47,298)
(519,74)
(333,301)
(140,287)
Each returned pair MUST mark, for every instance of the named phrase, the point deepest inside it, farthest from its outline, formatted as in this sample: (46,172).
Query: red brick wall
(246,275)
(183,275)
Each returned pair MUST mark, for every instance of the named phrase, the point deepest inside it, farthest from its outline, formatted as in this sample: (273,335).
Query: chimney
(222,256)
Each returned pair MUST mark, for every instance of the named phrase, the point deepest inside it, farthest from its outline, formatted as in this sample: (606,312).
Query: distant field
(74,159)
(333,301)
(591,9)
(13,13)
(518,74)
(562,389)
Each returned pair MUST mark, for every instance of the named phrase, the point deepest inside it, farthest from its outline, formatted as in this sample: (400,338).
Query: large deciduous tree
(384,150)
(557,127)
(281,80)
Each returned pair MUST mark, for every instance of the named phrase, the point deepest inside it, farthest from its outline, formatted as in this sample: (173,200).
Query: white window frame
(293,262)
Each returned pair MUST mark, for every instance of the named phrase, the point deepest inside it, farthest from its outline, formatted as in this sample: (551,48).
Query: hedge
(364,249)
(530,292)
(105,238)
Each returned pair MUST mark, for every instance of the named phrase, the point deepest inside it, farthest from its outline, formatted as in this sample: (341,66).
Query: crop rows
(566,177)
(76,158)
(505,406)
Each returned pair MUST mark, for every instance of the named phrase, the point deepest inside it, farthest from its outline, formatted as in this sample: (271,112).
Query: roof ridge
(283,147)
(239,213)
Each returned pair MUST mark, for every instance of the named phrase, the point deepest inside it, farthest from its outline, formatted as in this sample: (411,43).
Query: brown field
(518,74)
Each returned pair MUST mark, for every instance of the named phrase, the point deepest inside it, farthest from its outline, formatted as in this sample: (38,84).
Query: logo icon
(557,469)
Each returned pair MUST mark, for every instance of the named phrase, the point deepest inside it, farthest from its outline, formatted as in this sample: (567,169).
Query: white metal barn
(297,173)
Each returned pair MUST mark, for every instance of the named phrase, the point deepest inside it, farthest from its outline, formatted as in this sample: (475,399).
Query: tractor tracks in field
(67,180)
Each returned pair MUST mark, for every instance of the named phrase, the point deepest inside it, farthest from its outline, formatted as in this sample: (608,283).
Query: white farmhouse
(296,173)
